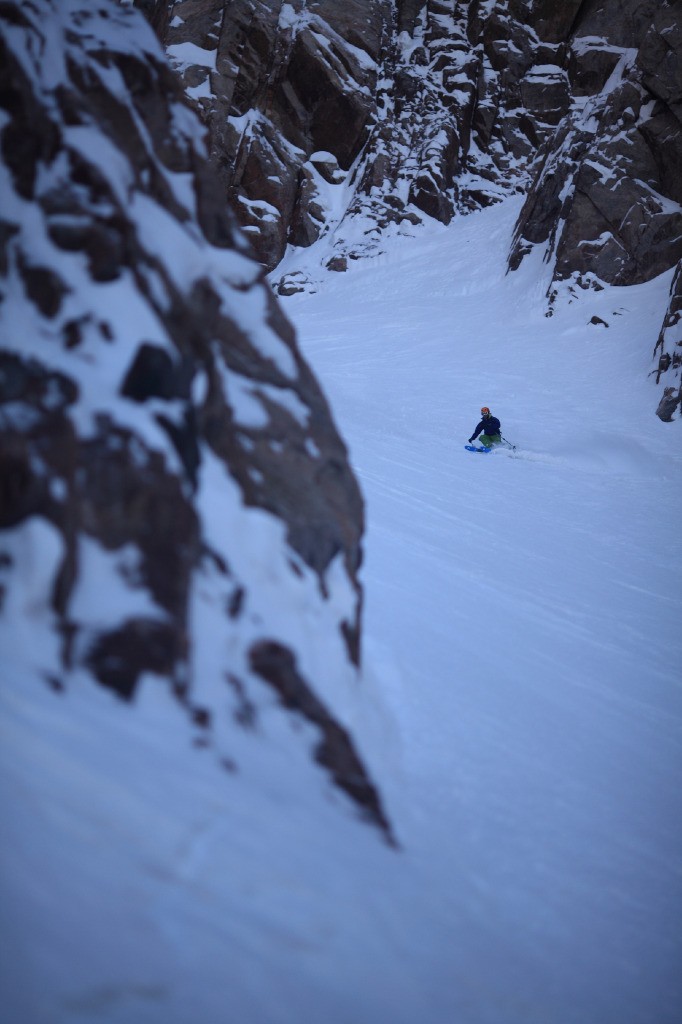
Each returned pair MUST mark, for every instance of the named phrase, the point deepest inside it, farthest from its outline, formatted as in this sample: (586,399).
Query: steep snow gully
(520,705)
(522,614)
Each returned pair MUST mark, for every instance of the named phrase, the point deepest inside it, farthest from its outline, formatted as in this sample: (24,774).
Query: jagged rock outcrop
(172,481)
(429,108)
(438,107)
(414,109)
(668,353)
(278,83)
(607,197)
(606,203)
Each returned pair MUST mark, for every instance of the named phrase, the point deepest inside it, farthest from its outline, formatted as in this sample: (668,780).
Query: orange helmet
(485,411)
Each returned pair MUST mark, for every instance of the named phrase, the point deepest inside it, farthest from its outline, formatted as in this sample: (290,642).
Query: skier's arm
(477,431)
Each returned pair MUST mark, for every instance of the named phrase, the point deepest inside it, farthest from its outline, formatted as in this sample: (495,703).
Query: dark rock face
(439,108)
(606,199)
(279,83)
(418,114)
(430,108)
(158,420)
(668,353)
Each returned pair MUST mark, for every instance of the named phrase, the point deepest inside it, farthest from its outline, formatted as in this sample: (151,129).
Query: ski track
(531,605)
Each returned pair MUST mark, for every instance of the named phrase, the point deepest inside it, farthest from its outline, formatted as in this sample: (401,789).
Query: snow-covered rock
(276,83)
(668,352)
(391,94)
(171,473)
(606,202)
(432,108)
(607,198)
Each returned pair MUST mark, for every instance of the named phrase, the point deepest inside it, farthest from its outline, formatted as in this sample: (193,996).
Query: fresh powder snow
(520,703)
(522,614)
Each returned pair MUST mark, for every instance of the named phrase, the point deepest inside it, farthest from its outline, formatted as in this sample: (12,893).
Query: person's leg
(490,439)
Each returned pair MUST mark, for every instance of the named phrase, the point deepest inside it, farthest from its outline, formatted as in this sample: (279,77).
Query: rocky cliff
(607,192)
(176,504)
(391,112)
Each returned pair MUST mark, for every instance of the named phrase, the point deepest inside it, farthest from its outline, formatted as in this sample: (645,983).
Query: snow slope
(520,707)
(524,614)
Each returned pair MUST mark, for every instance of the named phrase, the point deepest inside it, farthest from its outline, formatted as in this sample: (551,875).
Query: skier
(491,427)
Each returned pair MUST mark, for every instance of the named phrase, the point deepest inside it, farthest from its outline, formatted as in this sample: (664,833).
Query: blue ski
(474,448)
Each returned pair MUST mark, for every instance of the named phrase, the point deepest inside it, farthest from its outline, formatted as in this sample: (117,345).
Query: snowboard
(475,448)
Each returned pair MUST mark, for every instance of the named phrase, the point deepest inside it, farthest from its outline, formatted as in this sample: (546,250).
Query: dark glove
(471,440)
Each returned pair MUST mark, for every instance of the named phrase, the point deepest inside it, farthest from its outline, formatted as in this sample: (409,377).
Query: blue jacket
(489,425)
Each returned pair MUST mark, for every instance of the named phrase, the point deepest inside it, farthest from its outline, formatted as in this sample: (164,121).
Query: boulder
(669,404)
(293,283)
(327,166)
(338,264)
